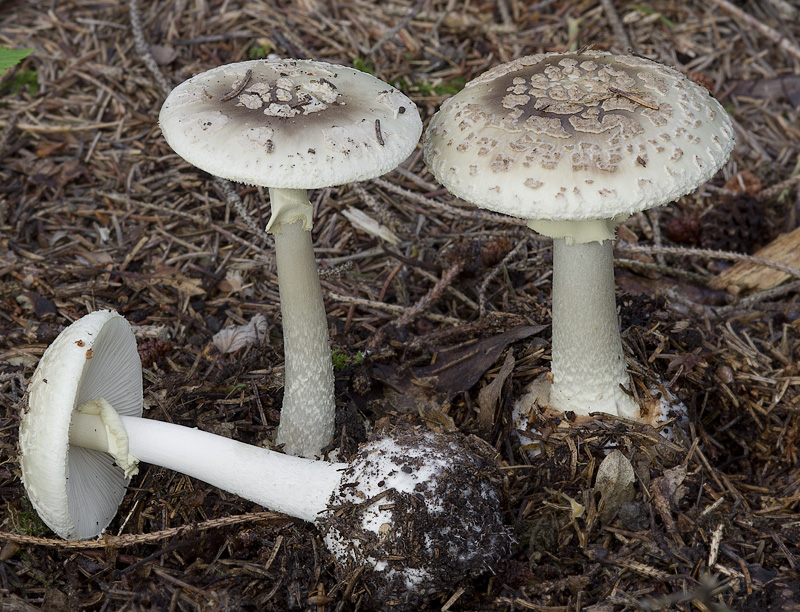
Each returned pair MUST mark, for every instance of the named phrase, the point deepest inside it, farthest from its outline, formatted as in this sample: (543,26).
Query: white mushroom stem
(588,364)
(292,485)
(309,407)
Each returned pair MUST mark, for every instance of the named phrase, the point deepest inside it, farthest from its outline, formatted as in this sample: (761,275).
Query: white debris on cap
(76,491)
(566,137)
(294,124)
(421,510)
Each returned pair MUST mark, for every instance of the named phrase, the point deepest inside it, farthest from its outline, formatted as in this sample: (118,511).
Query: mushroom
(575,143)
(293,125)
(419,510)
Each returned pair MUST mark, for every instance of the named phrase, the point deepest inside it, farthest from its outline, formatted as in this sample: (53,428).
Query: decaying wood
(745,277)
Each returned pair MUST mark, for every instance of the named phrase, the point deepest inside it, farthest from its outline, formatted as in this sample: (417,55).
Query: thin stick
(470,213)
(61,129)
(143,49)
(347,299)
(727,255)
(770,193)
(433,295)
(757,300)
(239,88)
(771,33)
(111,541)
(203,223)
(616,25)
(495,271)
(9,128)
(400,25)
(235,202)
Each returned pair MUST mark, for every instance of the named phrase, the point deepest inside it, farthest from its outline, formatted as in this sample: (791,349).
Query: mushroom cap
(76,491)
(294,124)
(579,136)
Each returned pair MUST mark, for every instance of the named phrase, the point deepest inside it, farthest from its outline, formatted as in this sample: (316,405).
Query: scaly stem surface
(588,362)
(309,407)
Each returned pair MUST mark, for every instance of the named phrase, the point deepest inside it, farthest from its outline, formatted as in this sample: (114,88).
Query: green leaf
(22,79)
(364,65)
(259,51)
(12,57)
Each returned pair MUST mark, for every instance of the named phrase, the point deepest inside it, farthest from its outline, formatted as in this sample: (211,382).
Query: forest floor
(96,211)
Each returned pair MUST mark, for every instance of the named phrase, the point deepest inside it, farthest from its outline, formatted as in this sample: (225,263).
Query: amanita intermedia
(420,510)
(293,125)
(575,143)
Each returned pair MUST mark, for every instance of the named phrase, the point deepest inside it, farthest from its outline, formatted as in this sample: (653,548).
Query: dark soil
(96,211)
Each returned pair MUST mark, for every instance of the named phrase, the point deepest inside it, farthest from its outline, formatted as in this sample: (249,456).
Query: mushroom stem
(588,364)
(309,407)
(292,485)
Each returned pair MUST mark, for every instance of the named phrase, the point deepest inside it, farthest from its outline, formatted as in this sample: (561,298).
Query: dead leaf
(40,306)
(747,276)
(454,370)
(489,396)
(744,182)
(172,277)
(367,224)
(457,369)
(231,339)
(164,54)
(784,87)
(688,361)
(667,491)
(615,482)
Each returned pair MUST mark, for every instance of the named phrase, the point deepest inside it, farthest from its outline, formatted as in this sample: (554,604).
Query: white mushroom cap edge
(76,490)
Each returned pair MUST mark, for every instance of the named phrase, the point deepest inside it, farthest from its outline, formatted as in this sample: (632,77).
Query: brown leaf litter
(97,212)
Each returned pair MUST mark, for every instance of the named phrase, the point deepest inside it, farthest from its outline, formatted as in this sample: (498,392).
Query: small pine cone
(684,229)
(701,78)
(736,223)
(492,253)
(152,351)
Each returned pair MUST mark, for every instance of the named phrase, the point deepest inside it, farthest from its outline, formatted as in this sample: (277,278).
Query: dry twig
(121,541)
(771,33)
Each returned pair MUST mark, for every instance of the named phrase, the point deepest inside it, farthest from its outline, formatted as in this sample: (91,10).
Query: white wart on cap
(75,490)
(577,137)
(294,124)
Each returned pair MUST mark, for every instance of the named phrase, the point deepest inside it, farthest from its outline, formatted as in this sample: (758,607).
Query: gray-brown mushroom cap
(295,124)
(584,136)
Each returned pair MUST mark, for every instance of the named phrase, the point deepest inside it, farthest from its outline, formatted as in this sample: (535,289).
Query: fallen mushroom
(420,511)
(293,125)
(575,143)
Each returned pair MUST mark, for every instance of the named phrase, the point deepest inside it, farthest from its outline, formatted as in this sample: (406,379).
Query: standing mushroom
(293,125)
(420,511)
(575,143)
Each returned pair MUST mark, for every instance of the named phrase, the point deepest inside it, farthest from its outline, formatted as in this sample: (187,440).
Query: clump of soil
(418,512)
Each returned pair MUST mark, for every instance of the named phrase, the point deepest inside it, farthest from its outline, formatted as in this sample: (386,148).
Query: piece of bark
(746,277)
